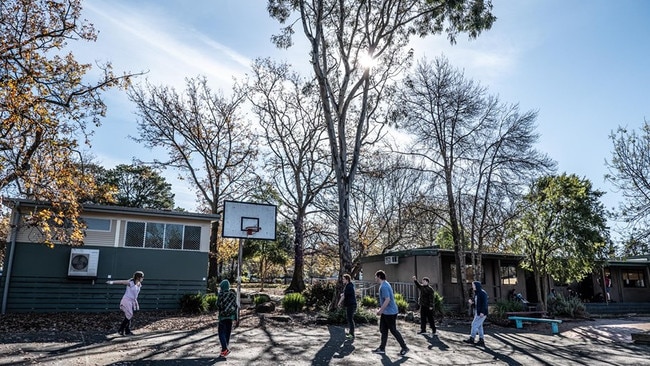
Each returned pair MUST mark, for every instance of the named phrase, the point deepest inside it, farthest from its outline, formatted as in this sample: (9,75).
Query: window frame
(148,230)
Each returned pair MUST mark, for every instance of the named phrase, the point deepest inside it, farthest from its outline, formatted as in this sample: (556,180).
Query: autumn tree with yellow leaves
(48,109)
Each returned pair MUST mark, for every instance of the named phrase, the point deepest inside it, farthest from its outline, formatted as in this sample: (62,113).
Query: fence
(406,289)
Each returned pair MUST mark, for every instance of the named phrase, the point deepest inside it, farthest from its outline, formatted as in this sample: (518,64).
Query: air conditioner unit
(83,262)
(391,259)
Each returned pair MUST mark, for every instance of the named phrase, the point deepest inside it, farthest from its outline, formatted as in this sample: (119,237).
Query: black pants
(426,315)
(389,323)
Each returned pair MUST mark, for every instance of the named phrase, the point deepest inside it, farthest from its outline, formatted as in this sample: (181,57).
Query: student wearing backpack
(227,307)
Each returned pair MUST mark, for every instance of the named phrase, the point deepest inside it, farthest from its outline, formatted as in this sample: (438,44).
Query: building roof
(433,251)
(91,207)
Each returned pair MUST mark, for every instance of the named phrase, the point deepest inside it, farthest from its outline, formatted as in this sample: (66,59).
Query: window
(93,224)
(469,273)
(162,236)
(634,278)
(134,234)
(508,275)
(174,237)
(192,239)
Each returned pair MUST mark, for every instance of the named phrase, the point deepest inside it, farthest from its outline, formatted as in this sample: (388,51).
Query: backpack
(227,304)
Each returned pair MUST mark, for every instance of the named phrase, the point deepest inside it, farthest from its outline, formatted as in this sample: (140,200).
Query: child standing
(129,302)
(227,307)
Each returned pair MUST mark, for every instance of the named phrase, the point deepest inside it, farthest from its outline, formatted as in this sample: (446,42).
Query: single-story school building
(171,248)
(503,276)
(501,273)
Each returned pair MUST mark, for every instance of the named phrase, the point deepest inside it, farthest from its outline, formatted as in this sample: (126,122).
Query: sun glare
(366,61)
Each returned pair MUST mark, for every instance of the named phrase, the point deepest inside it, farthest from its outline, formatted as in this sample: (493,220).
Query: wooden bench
(529,314)
(519,322)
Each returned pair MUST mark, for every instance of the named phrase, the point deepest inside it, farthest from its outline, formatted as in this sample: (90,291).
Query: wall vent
(391,259)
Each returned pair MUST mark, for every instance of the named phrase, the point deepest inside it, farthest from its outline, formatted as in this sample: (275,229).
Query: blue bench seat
(519,322)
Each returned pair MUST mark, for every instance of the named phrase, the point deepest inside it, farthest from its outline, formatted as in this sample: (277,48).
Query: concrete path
(593,343)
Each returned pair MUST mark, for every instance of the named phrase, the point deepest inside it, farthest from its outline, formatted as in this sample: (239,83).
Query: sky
(584,66)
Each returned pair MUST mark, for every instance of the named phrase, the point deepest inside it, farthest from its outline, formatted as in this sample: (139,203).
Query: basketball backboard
(248,220)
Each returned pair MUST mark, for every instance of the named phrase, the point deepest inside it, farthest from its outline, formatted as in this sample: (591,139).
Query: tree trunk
(298,280)
(213,257)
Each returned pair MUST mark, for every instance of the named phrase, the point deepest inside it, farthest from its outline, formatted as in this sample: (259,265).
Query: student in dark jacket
(426,302)
(480,303)
(349,300)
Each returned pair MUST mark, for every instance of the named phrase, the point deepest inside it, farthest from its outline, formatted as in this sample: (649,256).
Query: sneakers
(480,343)
(469,340)
(379,350)
(404,351)
(225,353)
(422,332)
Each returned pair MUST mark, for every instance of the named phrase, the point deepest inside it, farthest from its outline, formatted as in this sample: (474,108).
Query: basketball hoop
(250,230)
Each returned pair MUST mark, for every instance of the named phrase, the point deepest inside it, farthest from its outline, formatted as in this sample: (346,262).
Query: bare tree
(629,171)
(342,35)
(479,152)
(206,140)
(384,214)
(297,163)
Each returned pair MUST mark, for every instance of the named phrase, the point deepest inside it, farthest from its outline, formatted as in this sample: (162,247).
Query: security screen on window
(162,236)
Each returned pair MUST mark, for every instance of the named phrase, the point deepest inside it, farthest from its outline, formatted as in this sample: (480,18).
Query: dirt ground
(177,339)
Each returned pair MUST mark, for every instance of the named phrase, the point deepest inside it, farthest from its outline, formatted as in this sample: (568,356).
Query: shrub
(438,303)
(193,303)
(401,303)
(361,316)
(320,294)
(293,303)
(261,299)
(570,306)
(369,302)
(211,301)
(505,306)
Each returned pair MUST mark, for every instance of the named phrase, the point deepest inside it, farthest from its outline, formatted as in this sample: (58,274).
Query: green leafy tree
(357,49)
(562,230)
(139,186)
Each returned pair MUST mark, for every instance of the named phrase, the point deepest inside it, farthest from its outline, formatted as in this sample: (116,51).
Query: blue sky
(583,65)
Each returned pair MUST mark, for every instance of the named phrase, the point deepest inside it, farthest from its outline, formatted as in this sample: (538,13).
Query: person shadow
(337,346)
(436,342)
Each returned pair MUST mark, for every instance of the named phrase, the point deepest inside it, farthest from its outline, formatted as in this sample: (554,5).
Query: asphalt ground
(596,342)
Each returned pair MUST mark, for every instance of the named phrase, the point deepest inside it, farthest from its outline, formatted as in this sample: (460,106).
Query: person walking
(349,300)
(129,302)
(427,303)
(388,315)
(227,307)
(480,303)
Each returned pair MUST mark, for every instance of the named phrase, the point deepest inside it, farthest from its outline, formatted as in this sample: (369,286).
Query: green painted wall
(39,279)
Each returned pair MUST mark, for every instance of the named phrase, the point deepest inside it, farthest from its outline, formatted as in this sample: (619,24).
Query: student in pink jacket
(129,301)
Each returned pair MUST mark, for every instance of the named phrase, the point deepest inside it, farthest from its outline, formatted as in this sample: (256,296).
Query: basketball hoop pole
(249,231)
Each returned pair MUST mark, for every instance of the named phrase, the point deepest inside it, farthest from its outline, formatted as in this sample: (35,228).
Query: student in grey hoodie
(480,303)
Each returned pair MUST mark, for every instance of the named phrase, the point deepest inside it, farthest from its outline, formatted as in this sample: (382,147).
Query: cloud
(146,40)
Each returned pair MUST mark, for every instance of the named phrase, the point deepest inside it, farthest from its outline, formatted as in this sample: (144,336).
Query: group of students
(388,311)
(228,315)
